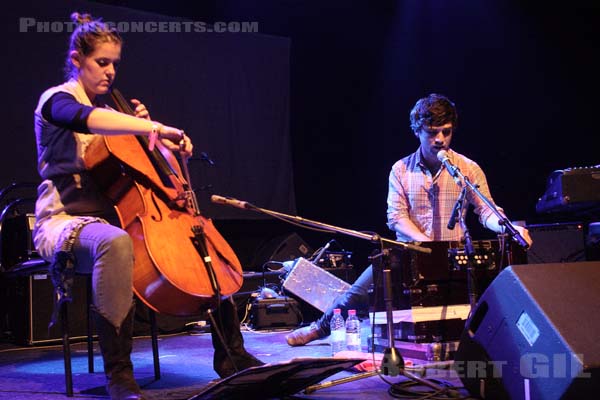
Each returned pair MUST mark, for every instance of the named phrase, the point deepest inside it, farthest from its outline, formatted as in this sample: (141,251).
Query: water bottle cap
(351,312)
(337,310)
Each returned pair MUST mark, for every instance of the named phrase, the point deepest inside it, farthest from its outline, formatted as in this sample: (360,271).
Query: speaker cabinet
(554,243)
(16,244)
(281,248)
(534,334)
(27,307)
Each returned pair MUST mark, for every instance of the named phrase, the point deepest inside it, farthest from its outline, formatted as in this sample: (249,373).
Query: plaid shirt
(428,200)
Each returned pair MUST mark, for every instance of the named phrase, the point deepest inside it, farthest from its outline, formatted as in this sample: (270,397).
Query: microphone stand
(304,222)
(502,220)
(321,252)
(458,206)
(458,176)
(392,363)
(469,249)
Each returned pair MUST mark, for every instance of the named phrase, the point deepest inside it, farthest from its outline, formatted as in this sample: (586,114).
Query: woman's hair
(433,110)
(88,33)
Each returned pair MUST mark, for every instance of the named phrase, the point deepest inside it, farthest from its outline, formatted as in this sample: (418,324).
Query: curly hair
(433,110)
(87,34)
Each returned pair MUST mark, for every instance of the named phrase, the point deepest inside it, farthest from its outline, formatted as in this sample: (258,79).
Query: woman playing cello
(76,221)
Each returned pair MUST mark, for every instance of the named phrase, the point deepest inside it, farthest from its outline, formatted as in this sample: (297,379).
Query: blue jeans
(357,297)
(106,252)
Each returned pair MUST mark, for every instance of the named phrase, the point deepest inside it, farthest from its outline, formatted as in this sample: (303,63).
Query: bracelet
(154,134)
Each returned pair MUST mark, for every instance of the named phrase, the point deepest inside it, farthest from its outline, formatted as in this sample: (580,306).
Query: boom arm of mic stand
(502,220)
(361,235)
(395,363)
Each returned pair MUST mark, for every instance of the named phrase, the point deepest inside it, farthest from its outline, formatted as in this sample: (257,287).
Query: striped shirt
(428,200)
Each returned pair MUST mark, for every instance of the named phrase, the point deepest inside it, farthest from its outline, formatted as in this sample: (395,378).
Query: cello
(183,265)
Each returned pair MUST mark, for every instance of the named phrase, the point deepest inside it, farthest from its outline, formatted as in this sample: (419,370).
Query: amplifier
(17,244)
(27,307)
(556,243)
(571,189)
(281,312)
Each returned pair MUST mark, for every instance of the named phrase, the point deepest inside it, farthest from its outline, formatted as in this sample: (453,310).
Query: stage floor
(36,372)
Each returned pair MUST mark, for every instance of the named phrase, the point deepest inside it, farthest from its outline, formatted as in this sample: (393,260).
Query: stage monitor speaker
(534,334)
(554,243)
(16,240)
(27,308)
(281,248)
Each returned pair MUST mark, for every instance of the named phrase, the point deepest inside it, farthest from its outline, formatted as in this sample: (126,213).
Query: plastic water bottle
(352,331)
(338,332)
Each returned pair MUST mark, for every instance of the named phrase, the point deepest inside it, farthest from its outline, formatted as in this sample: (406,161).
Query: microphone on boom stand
(392,363)
(321,252)
(457,208)
(453,170)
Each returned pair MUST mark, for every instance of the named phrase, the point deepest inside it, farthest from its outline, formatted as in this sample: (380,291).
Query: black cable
(402,390)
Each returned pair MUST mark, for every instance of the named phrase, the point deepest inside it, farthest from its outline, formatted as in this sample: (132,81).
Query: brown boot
(304,335)
(238,358)
(116,350)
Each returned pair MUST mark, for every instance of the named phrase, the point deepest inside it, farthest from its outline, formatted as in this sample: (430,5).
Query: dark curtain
(229,91)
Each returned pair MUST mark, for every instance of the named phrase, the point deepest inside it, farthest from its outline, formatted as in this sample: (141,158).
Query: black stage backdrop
(230,92)
(523,74)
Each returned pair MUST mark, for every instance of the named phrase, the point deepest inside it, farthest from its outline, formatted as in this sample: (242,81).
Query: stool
(16,200)
(31,267)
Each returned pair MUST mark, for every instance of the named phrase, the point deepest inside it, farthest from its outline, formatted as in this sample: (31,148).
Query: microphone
(454,215)
(442,155)
(229,201)
(323,249)
(457,208)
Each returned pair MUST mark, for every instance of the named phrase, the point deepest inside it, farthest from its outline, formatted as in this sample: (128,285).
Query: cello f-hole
(157,208)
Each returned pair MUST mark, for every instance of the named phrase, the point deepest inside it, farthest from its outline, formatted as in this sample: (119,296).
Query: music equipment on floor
(334,259)
(533,334)
(275,312)
(281,248)
(16,240)
(440,278)
(571,189)
(558,242)
(313,284)
(254,281)
(424,324)
(430,296)
(26,307)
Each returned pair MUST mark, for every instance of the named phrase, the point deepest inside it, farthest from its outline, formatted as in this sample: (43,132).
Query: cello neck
(188,194)
(191,199)
(160,162)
